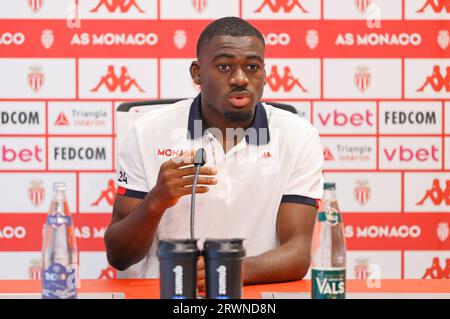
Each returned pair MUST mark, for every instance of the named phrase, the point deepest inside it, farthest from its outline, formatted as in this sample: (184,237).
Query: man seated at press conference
(261,187)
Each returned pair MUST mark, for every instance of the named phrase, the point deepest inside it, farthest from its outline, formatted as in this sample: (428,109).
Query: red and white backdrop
(373,76)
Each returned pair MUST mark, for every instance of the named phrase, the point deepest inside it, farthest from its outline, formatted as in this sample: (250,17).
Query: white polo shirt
(282,163)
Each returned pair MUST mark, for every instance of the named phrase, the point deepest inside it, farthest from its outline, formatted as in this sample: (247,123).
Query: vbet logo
(410,153)
(292,78)
(345,117)
(22,153)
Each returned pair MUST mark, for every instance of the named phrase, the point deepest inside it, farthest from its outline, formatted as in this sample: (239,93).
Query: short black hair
(233,26)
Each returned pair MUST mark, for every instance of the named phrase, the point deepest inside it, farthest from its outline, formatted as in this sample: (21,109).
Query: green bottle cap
(330,186)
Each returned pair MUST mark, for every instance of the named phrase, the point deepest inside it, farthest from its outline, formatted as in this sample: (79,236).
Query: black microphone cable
(199,161)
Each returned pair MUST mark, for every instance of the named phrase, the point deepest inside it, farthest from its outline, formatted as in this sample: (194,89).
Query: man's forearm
(285,263)
(128,240)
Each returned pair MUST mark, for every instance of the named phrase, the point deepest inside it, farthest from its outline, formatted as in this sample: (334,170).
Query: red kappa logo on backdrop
(122,5)
(36,78)
(123,82)
(107,194)
(362,78)
(35,5)
(61,120)
(436,5)
(327,155)
(436,194)
(200,5)
(362,5)
(362,191)
(36,192)
(277,5)
(287,82)
(437,81)
(436,272)
(108,273)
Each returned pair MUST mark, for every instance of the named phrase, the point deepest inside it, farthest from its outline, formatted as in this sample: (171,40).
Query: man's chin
(239,116)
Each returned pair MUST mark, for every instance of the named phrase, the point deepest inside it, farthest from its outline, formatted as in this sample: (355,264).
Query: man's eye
(253,67)
(223,67)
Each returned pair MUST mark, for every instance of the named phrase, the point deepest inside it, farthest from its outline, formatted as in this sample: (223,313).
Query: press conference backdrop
(373,76)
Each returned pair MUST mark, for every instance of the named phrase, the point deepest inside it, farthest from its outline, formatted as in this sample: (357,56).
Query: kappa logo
(437,81)
(122,5)
(436,272)
(108,273)
(47,38)
(442,231)
(327,155)
(436,194)
(180,39)
(362,191)
(123,82)
(362,78)
(362,5)
(287,82)
(276,5)
(443,39)
(436,5)
(61,120)
(266,155)
(200,5)
(107,194)
(36,78)
(36,192)
(35,5)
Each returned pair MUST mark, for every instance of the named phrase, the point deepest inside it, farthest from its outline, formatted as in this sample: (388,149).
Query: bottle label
(328,284)
(331,216)
(59,282)
(58,220)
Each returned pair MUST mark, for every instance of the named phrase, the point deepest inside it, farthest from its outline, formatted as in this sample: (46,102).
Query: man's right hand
(175,179)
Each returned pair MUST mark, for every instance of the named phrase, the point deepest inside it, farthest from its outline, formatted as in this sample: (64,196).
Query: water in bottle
(59,249)
(328,249)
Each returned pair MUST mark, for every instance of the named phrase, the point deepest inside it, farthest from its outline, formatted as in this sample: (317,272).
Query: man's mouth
(239,99)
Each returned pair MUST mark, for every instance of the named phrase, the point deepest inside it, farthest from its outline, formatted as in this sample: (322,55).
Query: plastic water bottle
(59,249)
(328,249)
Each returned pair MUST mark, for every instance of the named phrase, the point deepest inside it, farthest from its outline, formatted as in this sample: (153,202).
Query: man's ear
(195,72)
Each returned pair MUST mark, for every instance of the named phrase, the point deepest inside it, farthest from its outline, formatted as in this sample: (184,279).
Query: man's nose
(239,78)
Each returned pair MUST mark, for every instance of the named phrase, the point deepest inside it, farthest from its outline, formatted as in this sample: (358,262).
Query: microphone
(199,161)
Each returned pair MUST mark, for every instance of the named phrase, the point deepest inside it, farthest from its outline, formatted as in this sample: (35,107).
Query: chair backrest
(128,112)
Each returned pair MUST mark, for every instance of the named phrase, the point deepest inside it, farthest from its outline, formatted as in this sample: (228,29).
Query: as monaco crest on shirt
(200,5)
(35,5)
(180,39)
(362,78)
(362,5)
(36,78)
(312,39)
(47,38)
(443,39)
(36,192)
(362,191)
(442,231)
